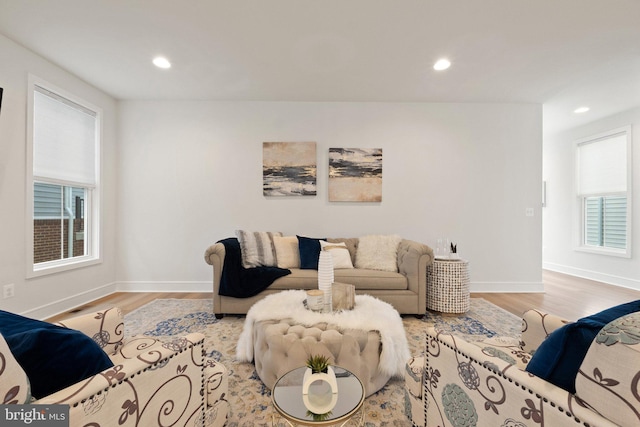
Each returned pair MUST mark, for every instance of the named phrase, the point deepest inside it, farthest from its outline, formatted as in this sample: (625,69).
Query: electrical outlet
(529,212)
(8,291)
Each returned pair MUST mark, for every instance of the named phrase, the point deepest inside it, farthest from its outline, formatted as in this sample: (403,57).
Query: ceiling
(559,53)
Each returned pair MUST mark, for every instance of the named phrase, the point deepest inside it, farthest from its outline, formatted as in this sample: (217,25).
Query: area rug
(250,400)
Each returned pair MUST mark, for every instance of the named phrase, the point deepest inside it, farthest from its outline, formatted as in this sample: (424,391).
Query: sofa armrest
(536,326)
(14,384)
(214,256)
(607,380)
(164,388)
(216,383)
(467,384)
(413,260)
(214,253)
(413,384)
(105,327)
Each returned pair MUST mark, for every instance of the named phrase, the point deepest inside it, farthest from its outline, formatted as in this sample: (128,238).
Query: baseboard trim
(507,287)
(164,286)
(63,305)
(609,279)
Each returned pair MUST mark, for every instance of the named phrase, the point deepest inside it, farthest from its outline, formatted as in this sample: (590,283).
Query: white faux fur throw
(369,314)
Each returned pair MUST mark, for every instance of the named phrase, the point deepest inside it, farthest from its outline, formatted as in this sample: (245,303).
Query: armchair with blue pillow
(106,378)
(559,373)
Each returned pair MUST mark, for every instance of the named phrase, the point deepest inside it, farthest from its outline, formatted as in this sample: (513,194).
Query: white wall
(190,173)
(178,176)
(48,295)
(559,217)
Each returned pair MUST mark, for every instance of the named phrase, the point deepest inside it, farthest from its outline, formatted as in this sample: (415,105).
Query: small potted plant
(453,254)
(318,363)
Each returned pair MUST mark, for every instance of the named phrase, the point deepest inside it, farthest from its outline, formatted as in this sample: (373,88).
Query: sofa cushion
(309,252)
(559,357)
(339,253)
(257,248)
(365,279)
(362,279)
(287,252)
(378,252)
(53,357)
(608,377)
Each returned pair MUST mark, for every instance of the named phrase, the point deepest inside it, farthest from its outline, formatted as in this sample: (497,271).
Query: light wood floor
(566,296)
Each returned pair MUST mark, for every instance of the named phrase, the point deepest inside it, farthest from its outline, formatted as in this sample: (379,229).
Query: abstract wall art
(289,168)
(355,174)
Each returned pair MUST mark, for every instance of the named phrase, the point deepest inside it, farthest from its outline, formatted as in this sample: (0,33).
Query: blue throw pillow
(309,252)
(53,357)
(559,357)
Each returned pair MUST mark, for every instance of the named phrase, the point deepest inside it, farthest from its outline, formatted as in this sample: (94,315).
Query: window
(58,218)
(603,183)
(64,147)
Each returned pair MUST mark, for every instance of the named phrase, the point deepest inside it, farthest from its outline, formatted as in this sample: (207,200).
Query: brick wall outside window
(46,239)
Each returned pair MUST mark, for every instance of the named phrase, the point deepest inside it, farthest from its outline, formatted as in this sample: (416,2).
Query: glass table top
(288,399)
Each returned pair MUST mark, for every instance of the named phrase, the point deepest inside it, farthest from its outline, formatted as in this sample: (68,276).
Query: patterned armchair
(458,383)
(151,383)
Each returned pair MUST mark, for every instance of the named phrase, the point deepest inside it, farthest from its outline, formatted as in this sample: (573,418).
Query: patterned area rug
(250,400)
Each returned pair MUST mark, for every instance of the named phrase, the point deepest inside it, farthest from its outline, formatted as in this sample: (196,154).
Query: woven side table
(448,286)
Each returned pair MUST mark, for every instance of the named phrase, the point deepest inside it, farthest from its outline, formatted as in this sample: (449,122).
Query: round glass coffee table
(289,403)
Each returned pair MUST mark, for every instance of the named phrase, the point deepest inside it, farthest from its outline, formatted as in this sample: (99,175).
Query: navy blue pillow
(309,252)
(53,357)
(559,357)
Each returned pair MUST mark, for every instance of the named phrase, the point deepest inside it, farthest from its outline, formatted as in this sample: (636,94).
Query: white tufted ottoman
(283,345)
(279,334)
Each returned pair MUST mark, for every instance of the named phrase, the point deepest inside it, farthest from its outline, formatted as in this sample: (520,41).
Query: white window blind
(602,165)
(603,190)
(64,142)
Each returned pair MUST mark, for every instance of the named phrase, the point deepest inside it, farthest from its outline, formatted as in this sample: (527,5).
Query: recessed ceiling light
(442,64)
(581,110)
(161,62)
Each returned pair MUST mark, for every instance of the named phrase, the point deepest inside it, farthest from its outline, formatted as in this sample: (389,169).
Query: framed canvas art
(355,174)
(289,168)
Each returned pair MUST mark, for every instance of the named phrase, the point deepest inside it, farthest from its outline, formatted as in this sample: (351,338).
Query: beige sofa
(405,289)
(485,383)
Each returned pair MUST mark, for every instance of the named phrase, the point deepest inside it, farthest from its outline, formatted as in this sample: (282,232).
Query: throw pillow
(377,252)
(309,252)
(560,355)
(257,248)
(352,245)
(53,357)
(287,252)
(339,253)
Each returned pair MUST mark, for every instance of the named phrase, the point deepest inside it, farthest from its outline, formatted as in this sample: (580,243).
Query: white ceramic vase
(323,402)
(325,278)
